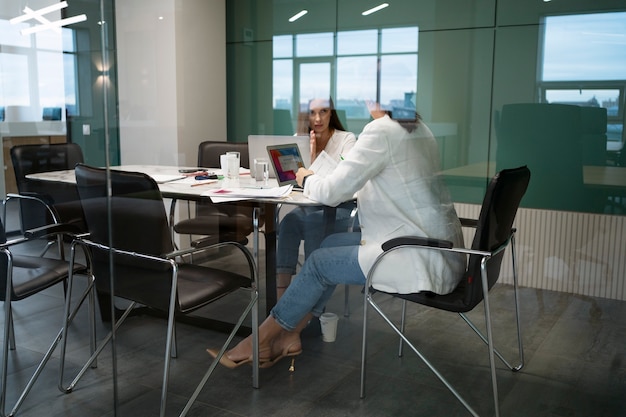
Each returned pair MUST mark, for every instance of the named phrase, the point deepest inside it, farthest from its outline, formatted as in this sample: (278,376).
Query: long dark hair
(334,123)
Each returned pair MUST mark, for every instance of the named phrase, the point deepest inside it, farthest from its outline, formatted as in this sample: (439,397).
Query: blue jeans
(307,224)
(335,262)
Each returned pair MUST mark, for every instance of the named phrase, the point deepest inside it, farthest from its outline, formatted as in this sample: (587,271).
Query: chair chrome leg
(7,331)
(174,353)
(95,354)
(366,302)
(423,358)
(216,361)
(402,328)
(517,309)
(492,364)
(11,332)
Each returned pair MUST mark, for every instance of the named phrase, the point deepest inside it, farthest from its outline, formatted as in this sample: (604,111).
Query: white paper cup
(232,165)
(261,170)
(328,322)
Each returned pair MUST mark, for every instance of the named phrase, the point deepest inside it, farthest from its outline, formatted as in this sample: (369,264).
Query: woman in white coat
(394,168)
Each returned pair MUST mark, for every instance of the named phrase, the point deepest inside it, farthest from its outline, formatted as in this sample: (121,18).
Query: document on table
(163,178)
(221,195)
(323,165)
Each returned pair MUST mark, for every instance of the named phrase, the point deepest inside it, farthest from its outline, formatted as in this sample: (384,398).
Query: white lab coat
(400,193)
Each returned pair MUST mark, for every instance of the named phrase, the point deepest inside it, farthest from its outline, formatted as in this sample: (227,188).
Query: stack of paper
(245,193)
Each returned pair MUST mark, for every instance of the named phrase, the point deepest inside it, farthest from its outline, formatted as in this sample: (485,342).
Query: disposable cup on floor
(328,322)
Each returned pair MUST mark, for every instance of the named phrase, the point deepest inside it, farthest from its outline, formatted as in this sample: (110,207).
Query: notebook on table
(286,160)
(257,147)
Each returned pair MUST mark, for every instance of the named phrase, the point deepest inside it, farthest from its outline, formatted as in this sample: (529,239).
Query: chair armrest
(204,242)
(27,195)
(416,241)
(52,229)
(468,222)
(39,198)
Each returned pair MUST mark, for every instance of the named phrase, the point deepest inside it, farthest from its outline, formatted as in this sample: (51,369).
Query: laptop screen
(286,160)
(257,147)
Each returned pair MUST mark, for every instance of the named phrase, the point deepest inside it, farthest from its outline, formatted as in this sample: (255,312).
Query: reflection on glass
(314,83)
(398,81)
(51,85)
(582,63)
(283,84)
(357,42)
(15,88)
(49,39)
(356,81)
(372,64)
(608,98)
(11,35)
(282,46)
(314,44)
(54,60)
(584,47)
(399,40)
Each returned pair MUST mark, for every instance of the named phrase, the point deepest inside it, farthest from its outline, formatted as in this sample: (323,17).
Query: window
(53,59)
(584,63)
(351,66)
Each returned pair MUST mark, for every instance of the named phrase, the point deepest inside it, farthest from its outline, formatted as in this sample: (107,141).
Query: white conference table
(265,208)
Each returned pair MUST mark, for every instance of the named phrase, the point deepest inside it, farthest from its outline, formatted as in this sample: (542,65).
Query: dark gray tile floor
(574,348)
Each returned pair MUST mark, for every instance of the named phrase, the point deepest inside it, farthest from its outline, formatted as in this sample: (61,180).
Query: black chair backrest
(500,204)
(209,153)
(134,219)
(138,217)
(209,157)
(494,226)
(32,159)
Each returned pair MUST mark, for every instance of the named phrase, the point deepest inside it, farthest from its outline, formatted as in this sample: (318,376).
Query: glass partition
(460,71)
(57,85)
(501,83)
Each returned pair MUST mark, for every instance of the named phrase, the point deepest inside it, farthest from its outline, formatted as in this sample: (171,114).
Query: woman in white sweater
(307,223)
(395,169)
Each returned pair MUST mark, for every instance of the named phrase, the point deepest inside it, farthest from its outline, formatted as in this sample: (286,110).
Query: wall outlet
(86,130)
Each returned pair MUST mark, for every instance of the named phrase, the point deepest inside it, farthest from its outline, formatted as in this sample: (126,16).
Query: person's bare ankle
(282,282)
(289,341)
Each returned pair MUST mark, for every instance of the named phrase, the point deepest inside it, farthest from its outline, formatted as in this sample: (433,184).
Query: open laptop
(286,160)
(257,147)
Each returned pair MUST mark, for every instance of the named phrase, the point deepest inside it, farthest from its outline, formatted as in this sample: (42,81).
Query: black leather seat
(21,277)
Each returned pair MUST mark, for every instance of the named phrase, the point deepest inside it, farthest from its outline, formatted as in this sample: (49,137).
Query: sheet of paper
(233,194)
(323,164)
(163,178)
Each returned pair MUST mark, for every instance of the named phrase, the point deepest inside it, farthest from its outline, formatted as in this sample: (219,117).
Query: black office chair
(223,222)
(42,202)
(129,231)
(494,233)
(22,276)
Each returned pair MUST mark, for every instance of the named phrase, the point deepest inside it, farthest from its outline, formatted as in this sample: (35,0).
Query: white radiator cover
(578,253)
